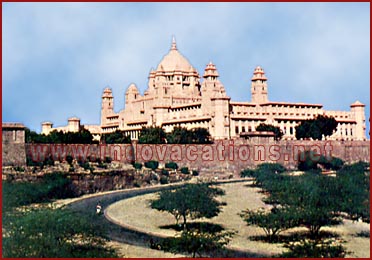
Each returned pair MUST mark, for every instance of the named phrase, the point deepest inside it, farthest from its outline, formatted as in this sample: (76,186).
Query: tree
(270,128)
(153,165)
(354,190)
(314,249)
(313,199)
(117,137)
(316,128)
(171,165)
(57,233)
(152,135)
(83,136)
(181,135)
(196,242)
(201,136)
(272,222)
(190,201)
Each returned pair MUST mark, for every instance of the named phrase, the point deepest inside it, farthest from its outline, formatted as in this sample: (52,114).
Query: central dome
(174,61)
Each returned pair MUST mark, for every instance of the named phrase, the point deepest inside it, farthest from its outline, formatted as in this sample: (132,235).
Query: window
(236,129)
(243,129)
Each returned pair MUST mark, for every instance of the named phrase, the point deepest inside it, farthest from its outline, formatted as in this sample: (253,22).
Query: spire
(259,74)
(174,45)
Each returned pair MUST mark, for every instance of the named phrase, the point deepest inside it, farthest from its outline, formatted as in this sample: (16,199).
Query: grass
(136,212)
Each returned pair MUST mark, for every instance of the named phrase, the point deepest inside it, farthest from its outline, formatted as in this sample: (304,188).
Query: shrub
(333,164)
(164,180)
(108,159)
(185,170)
(314,249)
(165,172)
(137,166)
(71,169)
(272,222)
(308,161)
(69,159)
(247,173)
(19,169)
(49,161)
(171,165)
(57,233)
(195,173)
(85,165)
(153,165)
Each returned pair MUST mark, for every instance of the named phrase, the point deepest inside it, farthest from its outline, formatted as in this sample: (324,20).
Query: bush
(52,186)
(71,169)
(137,184)
(195,173)
(85,165)
(69,159)
(247,173)
(165,172)
(171,165)
(164,180)
(314,249)
(308,161)
(272,222)
(185,170)
(153,165)
(49,161)
(108,159)
(19,169)
(57,233)
(333,164)
(137,166)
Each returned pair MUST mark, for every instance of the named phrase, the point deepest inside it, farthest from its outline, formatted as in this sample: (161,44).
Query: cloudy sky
(58,57)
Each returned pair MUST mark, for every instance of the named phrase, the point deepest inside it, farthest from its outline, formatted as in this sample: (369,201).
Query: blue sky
(58,57)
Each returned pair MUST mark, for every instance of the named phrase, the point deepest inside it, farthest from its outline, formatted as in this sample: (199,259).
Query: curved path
(87,205)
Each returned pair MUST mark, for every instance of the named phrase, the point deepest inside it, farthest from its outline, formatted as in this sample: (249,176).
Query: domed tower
(173,77)
(215,103)
(107,105)
(211,86)
(131,94)
(259,86)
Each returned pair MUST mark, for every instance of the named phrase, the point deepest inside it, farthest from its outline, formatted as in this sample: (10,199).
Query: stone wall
(227,155)
(13,144)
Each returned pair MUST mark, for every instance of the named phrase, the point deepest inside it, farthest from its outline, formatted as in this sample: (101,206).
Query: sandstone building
(177,96)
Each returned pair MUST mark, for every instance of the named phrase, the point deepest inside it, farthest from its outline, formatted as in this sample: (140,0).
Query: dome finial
(174,45)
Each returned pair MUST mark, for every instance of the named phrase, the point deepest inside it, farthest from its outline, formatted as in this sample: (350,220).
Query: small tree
(190,201)
(152,135)
(117,137)
(171,165)
(153,165)
(272,222)
(185,170)
(137,166)
(270,128)
(195,242)
(316,128)
(314,249)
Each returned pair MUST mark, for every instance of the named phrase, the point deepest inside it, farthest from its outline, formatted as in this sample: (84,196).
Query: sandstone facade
(176,96)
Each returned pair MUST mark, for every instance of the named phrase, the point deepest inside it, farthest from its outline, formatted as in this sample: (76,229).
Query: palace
(176,96)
